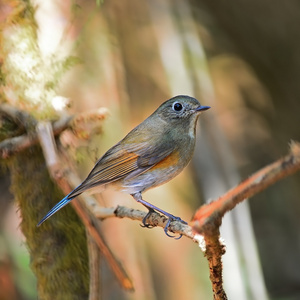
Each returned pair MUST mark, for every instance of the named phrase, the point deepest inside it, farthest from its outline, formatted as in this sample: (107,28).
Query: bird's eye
(177,106)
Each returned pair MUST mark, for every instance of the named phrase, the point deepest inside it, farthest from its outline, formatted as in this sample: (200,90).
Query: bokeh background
(242,58)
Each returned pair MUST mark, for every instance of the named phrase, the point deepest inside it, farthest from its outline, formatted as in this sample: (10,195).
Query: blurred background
(242,58)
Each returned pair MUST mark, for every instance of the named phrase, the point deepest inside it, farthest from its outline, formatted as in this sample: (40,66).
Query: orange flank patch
(169,161)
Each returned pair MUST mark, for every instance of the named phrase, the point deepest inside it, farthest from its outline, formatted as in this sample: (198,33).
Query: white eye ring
(177,106)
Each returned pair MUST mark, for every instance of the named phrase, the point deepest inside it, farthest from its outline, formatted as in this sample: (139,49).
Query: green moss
(28,76)
(58,248)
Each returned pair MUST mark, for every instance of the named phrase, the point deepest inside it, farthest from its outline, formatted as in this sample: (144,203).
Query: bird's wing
(118,163)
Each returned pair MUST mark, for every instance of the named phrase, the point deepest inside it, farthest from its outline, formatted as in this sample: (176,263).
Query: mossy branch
(59,261)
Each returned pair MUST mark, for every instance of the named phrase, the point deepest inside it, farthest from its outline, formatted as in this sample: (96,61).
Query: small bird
(151,154)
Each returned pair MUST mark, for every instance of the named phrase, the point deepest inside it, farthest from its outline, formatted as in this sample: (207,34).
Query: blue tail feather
(56,208)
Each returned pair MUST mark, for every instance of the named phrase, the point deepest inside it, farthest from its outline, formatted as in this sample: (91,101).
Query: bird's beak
(201,108)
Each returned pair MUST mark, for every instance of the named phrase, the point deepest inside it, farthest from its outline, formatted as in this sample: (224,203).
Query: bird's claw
(166,228)
(144,223)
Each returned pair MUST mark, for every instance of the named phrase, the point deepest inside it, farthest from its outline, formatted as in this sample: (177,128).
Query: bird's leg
(151,208)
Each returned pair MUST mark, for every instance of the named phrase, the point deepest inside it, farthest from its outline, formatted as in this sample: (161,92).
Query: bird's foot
(170,219)
(151,209)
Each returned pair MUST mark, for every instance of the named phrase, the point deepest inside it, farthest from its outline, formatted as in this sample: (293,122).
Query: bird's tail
(56,208)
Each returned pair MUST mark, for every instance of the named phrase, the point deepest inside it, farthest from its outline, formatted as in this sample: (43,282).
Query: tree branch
(83,125)
(212,212)
(20,117)
(155,219)
(56,170)
(208,218)
(17,144)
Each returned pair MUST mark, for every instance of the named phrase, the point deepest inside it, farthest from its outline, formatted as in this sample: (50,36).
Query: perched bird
(151,154)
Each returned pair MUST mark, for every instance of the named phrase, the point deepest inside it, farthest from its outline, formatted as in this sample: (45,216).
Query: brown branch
(94,263)
(213,253)
(56,171)
(20,117)
(99,240)
(256,183)
(17,144)
(83,125)
(207,219)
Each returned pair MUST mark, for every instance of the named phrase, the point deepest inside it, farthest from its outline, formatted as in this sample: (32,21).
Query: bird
(151,154)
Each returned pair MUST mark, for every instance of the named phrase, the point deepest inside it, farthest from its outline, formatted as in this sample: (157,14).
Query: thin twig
(155,219)
(256,183)
(17,144)
(116,266)
(94,267)
(83,125)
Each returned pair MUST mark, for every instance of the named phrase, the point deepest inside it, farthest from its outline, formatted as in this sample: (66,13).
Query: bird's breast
(161,172)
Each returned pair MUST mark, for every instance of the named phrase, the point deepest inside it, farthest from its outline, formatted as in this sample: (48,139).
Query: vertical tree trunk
(57,248)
